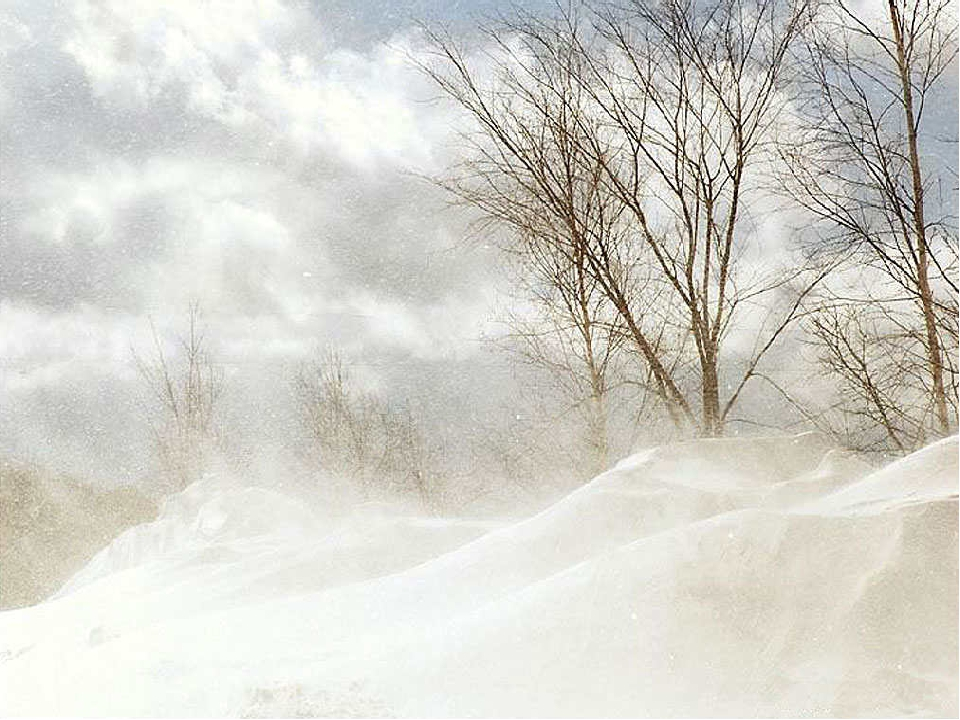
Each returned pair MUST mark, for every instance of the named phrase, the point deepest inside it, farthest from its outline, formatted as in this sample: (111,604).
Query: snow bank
(924,476)
(765,577)
(214,512)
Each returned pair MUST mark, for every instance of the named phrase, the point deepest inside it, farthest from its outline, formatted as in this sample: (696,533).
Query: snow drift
(768,576)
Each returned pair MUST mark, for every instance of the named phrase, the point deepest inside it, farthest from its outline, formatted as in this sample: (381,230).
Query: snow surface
(758,577)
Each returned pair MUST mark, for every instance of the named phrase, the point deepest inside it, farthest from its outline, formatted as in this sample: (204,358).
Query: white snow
(760,577)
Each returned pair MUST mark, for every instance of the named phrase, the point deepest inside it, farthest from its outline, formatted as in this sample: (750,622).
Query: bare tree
(186,389)
(873,356)
(354,434)
(407,459)
(631,141)
(575,342)
(858,164)
(574,332)
(335,415)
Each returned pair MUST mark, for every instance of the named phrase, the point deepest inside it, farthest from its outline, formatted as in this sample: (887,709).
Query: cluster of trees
(868,168)
(370,445)
(356,434)
(632,156)
(350,433)
(680,188)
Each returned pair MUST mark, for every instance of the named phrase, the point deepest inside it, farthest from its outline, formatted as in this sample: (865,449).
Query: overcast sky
(258,157)
(262,158)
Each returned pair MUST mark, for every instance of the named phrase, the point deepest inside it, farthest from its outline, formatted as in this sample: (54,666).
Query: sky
(264,159)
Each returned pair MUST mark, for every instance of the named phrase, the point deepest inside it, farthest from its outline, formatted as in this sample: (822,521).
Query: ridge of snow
(761,576)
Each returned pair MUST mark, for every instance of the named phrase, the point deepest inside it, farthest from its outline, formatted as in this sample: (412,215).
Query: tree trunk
(712,425)
(934,352)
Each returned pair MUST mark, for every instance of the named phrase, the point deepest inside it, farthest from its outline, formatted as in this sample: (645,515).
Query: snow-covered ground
(732,577)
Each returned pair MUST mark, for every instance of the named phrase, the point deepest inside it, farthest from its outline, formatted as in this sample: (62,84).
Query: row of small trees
(349,432)
(627,153)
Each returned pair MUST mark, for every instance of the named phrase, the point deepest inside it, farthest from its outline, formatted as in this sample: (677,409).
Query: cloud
(261,69)
(238,153)
(288,139)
